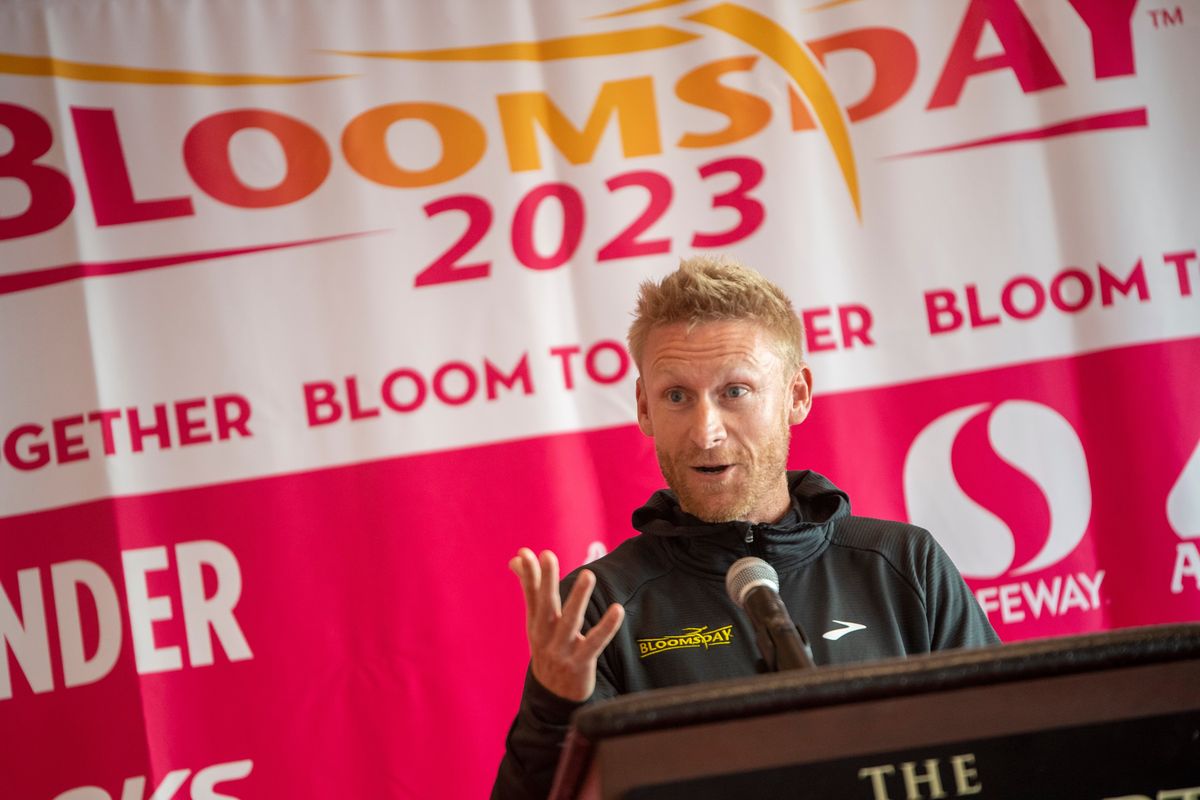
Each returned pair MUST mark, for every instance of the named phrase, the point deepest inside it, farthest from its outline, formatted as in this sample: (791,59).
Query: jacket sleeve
(535,740)
(955,618)
(533,744)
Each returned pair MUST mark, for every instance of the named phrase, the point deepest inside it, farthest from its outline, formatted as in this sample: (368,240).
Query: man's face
(720,404)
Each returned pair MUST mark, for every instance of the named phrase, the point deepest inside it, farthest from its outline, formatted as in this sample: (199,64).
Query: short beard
(743,499)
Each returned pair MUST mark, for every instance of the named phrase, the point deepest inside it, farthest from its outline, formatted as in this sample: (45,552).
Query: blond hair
(712,289)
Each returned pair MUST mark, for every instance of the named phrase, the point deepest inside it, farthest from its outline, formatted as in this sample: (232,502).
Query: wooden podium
(1113,715)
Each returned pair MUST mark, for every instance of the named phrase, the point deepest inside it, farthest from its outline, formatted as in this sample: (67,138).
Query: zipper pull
(750,535)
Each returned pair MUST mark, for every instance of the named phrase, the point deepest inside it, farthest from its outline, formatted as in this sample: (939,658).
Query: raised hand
(562,658)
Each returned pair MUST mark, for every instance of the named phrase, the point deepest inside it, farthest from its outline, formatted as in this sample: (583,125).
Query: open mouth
(714,470)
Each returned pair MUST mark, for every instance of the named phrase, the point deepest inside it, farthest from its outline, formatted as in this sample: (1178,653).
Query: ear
(800,392)
(643,409)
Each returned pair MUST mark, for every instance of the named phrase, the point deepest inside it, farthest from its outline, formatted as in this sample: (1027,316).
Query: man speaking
(722,379)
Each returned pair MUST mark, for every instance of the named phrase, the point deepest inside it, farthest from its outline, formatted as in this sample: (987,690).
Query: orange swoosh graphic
(45,67)
(830,4)
(777,44)
(583,46)
(653,5)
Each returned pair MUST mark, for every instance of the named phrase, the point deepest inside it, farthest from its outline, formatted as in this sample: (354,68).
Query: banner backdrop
(311,314)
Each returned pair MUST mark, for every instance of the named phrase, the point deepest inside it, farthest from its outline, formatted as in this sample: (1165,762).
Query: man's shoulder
(898,542)
(628,567)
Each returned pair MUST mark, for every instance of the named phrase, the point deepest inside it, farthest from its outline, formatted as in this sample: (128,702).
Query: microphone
(753,585)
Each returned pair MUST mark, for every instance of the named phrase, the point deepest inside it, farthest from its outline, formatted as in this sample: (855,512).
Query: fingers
(561,657)
(572,612)
(603,631)
(548,618)
(548,590)
(539,581)
(526,567)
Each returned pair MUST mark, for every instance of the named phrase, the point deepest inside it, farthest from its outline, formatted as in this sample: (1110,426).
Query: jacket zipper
(750,539)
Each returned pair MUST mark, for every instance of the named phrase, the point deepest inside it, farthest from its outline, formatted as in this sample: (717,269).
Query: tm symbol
(1165,17)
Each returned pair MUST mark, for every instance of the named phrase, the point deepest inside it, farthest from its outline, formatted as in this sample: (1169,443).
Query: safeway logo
(1005,489)
(1027,441)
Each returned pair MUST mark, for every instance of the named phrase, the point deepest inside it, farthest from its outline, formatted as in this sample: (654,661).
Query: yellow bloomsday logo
(691,638)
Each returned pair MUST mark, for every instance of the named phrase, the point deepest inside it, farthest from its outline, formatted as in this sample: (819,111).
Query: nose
(708,428)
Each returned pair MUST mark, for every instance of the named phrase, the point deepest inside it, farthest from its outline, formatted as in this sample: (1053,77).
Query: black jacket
(836,572)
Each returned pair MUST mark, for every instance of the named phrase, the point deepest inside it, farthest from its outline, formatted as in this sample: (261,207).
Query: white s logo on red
(1031,438)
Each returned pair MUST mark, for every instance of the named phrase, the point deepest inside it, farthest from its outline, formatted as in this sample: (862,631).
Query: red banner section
(280,620)
(355,631)
(1058,487)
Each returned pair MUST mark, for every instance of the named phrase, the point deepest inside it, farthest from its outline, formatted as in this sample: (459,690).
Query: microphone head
(749,573)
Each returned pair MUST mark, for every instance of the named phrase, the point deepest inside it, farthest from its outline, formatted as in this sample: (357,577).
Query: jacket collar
(710,548)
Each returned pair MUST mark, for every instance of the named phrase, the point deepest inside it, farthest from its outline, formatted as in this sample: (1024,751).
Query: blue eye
(736,391)
(675,396)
